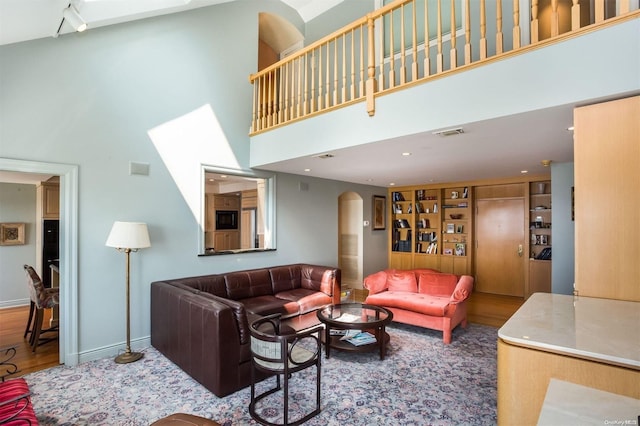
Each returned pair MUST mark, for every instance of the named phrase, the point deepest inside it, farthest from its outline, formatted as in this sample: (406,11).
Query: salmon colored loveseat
(422,297)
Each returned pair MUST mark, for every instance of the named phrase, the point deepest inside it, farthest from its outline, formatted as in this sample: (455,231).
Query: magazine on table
(363,338)
(348,334)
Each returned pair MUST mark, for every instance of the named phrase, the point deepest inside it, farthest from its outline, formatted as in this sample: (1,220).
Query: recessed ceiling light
(392,184)
(307,170)
(369,180)
(570,129)
(406,154)
(223,176)
(449,132)
(524,171)
(324,155)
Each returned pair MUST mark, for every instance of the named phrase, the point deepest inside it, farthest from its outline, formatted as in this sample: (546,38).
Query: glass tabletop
(354,314)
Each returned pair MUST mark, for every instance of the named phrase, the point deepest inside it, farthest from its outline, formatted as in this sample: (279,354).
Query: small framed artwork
(451,228)
(460,250)
(11,234)
(379,212)
(448,251)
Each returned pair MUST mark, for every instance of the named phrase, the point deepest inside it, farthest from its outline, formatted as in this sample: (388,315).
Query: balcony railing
(386,50)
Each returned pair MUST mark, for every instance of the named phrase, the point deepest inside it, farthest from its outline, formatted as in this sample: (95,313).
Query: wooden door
(500,259)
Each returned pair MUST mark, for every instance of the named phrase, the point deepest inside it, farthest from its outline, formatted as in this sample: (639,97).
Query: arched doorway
(350,239)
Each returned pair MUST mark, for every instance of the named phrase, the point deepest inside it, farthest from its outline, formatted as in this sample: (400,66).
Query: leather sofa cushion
(398,280)
(213,284)
(267,305)
(245,284)
(437,284)
(376,283)
(318,278)
(284,278)
(308,300)
(415,302)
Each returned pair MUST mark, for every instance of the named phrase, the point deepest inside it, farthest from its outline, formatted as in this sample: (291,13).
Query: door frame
(68,173)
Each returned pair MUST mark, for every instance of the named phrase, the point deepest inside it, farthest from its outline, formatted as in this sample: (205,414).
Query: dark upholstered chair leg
(27,330)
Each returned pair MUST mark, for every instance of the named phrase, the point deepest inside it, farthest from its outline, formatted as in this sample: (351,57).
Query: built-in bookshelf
(456,229)
(539,236)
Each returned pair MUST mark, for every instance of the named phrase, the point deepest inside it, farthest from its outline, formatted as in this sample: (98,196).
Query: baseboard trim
(139,344)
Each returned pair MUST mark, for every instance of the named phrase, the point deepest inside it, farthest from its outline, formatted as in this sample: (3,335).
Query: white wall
(17,204)
(562,230)
(90,100)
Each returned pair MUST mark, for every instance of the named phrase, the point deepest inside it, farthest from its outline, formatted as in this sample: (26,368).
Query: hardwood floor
(12,324)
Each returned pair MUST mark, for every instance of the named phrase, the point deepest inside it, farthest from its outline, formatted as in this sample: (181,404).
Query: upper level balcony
(377,79)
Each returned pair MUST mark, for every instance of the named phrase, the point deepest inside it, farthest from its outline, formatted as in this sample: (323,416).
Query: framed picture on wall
(11,234)
(379,212)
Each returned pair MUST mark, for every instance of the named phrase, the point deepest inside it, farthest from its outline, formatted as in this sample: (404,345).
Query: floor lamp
(128,237)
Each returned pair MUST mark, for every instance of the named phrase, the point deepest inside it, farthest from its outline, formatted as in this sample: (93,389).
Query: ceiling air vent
(324,156)
(449,132)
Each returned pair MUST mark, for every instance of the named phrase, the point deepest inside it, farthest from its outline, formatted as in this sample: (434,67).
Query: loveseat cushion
(415,302)
(398,280)
(437,284)
(267,305)
(376,283)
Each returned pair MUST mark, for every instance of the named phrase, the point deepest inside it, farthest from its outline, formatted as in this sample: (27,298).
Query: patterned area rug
(420,382)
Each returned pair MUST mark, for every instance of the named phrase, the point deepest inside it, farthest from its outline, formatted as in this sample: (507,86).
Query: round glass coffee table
(355,327)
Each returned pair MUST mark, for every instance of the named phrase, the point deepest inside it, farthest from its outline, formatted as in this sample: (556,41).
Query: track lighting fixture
(74,19)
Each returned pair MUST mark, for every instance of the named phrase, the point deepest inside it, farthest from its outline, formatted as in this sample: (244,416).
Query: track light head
(74,19)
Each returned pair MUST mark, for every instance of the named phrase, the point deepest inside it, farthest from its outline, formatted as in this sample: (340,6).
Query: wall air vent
(324,156)
(449,132)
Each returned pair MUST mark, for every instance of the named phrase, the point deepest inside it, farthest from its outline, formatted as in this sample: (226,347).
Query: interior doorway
(500,255)
(350,239)
(68,254)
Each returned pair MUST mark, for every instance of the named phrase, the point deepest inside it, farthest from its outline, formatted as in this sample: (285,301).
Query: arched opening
(350,239)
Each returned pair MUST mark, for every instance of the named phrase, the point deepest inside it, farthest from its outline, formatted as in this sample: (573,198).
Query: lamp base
(128,357)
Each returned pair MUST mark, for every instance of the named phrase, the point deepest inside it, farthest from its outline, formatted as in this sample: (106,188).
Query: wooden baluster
(554,18)
(371,72)
(467,24)
(534,21)
(352,92)
(254,125)
(483,31)
(392,64)
(575,15)
(269,105)
(313,65)
(439,58)
(299,93)
(335,72)
(361,86)
(381,70)
(599,10)
(453,53)
(516,24)
(280,95)
(499,35)
(292,96)
(327,89)
(319,102)
(305,105)
(414,41)
(403,58)
(344,68)
(263,114)
(287,95)
(624,6)
(427,59)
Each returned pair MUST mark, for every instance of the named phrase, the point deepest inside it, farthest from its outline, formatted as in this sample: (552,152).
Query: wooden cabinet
(539,237)
(49,199)
(226,240)
(430,227)
(607,208)
(227,202)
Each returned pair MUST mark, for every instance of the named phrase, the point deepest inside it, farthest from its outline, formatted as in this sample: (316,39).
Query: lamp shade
(131,235)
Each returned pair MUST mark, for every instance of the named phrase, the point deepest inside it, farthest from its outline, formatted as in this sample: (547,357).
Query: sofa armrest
(463,289)
(322,278)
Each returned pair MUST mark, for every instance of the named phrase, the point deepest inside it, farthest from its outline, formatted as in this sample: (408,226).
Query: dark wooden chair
(282,352)
(41,298)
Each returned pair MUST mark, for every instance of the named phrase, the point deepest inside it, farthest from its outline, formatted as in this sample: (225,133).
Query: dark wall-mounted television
(226,219)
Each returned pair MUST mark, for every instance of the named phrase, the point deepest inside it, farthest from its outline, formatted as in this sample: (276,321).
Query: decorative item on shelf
(420,194)
(454,194)
(128,237)
(539,222)
(459,229)
(541,187)
(455,216)
(447,251)
(435,207)
(460,249)
(451,228)
(465,192)
(409,209)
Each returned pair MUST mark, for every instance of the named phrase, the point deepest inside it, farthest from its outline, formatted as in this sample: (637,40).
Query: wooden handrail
(386,51)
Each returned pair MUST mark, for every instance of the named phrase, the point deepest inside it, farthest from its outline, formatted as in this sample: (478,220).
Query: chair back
(39,295)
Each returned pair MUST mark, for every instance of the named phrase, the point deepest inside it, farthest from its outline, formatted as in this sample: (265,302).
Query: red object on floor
(15,403)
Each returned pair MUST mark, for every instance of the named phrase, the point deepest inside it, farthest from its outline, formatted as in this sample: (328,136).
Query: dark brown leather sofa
(202,323)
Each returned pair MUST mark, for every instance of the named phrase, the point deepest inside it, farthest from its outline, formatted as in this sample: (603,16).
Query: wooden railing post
(534,21)
(483,30)
(516,24)
(371,68)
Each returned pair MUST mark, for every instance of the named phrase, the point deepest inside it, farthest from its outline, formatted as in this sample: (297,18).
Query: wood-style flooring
(12,324)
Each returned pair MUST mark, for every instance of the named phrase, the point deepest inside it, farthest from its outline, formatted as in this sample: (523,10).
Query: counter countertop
(602,330)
